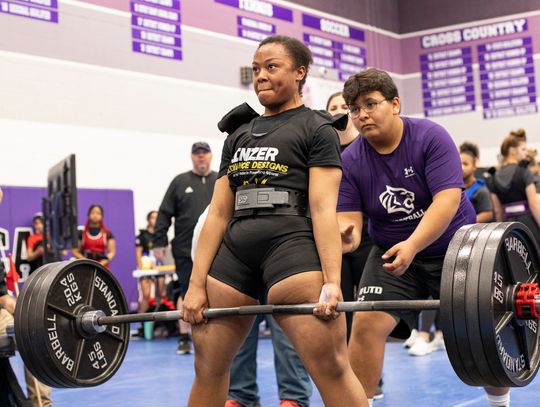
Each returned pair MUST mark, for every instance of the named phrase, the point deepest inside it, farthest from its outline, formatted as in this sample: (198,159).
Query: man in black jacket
(187,197)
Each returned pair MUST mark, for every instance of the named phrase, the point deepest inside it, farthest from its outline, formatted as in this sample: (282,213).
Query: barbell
(71,321)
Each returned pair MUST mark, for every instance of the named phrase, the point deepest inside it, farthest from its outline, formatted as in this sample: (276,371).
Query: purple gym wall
(401,16)
(191,77)
(168,32)
(405,16)
(21,203)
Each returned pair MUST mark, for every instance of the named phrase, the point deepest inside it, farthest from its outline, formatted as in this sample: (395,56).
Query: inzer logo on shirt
(397,200)
(409,172)
(188,190)
(255,153)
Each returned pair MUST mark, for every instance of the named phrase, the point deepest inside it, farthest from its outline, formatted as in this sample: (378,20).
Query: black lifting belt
(250,201)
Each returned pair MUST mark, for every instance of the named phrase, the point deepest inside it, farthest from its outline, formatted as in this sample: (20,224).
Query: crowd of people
(370,209)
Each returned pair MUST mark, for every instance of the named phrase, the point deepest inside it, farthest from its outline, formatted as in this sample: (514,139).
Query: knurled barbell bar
(71,321)
(94,322)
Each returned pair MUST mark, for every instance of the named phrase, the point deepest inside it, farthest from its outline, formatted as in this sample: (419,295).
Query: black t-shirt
(277,151)
(187,197)
(481,200)
(145,239)
(509,183)
(265,124)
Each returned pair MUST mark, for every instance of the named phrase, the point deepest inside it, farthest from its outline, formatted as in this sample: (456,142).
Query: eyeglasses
(369,107)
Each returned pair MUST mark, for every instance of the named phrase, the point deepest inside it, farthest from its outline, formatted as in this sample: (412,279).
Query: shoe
(233,403)
(264,330)
(184,346)
(265,333)
(420,348)
(288,403)
(437,343)
(410,341)
(378,391)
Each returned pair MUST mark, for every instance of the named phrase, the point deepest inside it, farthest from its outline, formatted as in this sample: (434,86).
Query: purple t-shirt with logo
(395,190)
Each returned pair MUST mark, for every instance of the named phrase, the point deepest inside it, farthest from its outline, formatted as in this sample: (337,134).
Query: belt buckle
(242,200)
(259,198)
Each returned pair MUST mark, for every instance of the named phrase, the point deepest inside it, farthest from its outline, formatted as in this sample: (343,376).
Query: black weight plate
(61,321)
(45,366)
(105,352)
(472,314)
(25,336)
(465,362)
(35,333)
(446,311)
(50,339)
(36,327)
(77,361)
(460,310)
(511,257)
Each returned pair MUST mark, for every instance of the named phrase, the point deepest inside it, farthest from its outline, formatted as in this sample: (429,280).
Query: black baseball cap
(200,145)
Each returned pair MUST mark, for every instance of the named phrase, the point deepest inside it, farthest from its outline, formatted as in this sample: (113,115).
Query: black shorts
(421,280)
(259,251)
(183,272)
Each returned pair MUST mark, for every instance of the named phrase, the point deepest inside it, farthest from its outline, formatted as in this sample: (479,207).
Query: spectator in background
(96,242)
(144,244)
(519,133)
(185,200)
(34,244)
(513,188)
(476,189)
(530,160)
(336,105)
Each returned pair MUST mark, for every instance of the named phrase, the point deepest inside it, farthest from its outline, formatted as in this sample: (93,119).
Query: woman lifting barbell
(292,153)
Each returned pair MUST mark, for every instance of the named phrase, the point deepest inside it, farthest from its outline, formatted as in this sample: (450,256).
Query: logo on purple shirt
(409,172)
(397,200)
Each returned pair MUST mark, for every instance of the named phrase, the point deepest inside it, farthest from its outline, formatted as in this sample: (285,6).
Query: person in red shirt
(34,244)
(96,242)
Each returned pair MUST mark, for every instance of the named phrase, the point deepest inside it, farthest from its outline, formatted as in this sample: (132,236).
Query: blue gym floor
(154,375)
